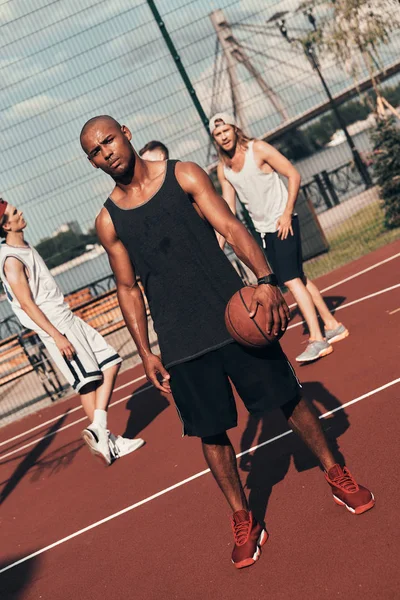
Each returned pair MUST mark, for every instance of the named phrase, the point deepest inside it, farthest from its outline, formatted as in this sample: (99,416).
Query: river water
(96,268)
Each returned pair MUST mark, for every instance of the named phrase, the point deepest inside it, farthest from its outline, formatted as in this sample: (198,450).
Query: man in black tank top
(159,223)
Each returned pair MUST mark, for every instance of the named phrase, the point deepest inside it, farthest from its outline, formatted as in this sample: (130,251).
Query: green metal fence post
(180,67)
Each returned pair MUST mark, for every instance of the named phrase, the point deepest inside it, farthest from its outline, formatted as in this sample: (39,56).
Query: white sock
(100,418)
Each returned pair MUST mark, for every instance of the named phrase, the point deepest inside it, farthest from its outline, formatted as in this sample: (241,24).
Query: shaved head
(107,145)
(100,119)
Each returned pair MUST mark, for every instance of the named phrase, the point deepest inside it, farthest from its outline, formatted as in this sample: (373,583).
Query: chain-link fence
(64,62)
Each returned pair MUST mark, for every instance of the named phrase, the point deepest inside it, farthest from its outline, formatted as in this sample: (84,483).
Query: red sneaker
(346,491)
(249,537)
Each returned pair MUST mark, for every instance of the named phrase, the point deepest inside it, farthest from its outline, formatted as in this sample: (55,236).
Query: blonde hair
(242,140)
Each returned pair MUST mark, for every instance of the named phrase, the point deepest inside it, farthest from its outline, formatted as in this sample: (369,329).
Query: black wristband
(268,279)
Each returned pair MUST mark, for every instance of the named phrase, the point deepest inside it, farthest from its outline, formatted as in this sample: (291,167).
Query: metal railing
(9,326)
(325,190)
(100,286)
(329,188)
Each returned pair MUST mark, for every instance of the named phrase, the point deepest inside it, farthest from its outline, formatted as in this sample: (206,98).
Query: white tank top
(45,292)
(263,194)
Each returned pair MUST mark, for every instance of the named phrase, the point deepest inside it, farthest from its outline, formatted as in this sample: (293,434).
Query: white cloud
(7,12)
(31,107)
(9,73)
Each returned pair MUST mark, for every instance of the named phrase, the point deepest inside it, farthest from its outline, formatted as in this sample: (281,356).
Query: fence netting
(64,62)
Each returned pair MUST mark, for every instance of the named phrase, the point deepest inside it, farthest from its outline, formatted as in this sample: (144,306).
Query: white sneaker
(120,446)
(96,438)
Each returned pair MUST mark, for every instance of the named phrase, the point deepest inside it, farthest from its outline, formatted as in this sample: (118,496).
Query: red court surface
(154,525)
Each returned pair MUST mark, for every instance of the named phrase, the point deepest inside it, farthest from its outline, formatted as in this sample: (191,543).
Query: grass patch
(360,234)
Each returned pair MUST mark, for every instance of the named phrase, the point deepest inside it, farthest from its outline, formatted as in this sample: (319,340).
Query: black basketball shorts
(264,380)
(285,256)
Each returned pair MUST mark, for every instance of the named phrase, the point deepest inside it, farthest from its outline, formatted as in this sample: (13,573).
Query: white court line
(129,383)
(2,457)
(330,287)
(69,412)
(53,433)
(389,289)
(374,266)
(382,262)
(185,481)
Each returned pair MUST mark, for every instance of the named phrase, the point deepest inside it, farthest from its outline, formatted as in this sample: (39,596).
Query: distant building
(72,226)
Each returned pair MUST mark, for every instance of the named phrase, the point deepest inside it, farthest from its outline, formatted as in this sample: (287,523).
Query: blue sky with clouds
(63,62)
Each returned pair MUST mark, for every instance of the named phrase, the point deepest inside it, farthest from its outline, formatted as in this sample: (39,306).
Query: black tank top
(187,278)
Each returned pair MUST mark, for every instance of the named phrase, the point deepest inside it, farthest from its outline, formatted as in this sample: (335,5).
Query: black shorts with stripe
(285,256)
(202,390)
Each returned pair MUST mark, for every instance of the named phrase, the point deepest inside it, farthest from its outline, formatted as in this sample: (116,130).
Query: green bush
(386,140)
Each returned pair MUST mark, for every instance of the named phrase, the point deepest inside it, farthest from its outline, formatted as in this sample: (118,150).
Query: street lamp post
(308,49)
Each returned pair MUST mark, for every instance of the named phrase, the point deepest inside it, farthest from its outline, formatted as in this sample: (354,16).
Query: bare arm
(268,154)
(228,194)
(195,181)
(130,298)
(15,272)
(228,191)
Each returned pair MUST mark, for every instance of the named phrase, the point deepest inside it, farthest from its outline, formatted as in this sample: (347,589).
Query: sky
(63,62)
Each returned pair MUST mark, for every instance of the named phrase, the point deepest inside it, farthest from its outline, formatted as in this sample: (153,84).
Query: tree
(295,145)
(386,140)
(353,30)
(320,132)
(92,237)
(64,247)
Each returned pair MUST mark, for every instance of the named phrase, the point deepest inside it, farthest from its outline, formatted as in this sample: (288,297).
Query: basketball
(248,332)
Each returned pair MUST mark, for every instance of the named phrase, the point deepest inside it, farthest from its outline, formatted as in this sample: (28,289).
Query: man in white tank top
(250,168)
(88,363)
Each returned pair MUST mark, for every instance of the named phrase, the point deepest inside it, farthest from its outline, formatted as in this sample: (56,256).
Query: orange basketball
(248,332)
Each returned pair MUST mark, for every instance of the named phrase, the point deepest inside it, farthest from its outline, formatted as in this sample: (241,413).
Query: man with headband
(88,363)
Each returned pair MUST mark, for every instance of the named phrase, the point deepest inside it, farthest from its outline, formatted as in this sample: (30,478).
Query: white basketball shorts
(93,355)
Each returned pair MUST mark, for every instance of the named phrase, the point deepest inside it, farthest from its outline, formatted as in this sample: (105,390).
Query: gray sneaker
(314,351)
(335,335)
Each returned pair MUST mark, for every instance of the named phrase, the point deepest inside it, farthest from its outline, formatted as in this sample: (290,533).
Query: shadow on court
(14,583)
(270,464)
(144,406)
(32,460)
(332,302)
